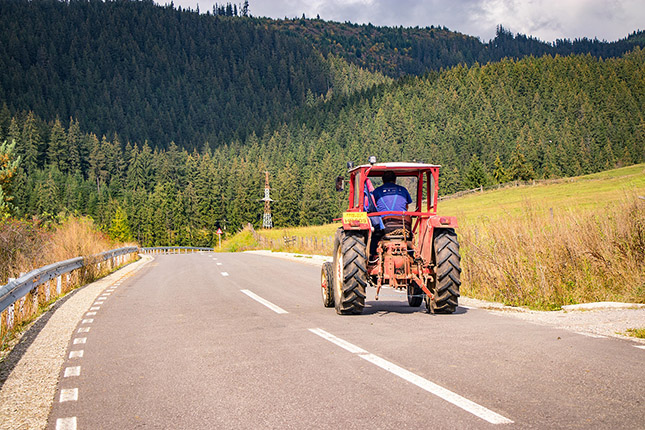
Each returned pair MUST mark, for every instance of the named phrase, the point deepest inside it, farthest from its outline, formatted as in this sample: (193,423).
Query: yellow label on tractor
(361,217)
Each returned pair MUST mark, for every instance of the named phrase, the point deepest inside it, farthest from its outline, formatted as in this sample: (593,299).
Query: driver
(389,197)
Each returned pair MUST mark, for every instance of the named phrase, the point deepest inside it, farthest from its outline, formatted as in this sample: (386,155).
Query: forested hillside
(162,75)
(152,73)
(398,51)
(532,118)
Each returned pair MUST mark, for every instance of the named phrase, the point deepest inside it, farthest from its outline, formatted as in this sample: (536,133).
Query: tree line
(541,117)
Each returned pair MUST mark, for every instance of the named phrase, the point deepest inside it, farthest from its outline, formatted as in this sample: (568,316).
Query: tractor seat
(398,226)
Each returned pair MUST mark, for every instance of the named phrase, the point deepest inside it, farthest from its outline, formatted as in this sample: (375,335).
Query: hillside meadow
(543,246)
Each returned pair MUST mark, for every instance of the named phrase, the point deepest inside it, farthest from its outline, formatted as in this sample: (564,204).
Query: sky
(545,19)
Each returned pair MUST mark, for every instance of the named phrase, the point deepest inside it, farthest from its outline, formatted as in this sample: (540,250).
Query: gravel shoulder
(28,392)
(598,319)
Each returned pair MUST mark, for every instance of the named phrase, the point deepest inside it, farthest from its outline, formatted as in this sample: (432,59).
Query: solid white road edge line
(431,387)
(595,336)
(639,346)
(66,423)
(268,304)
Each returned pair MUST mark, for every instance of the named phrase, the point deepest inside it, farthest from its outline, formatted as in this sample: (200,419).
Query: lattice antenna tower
(266,221)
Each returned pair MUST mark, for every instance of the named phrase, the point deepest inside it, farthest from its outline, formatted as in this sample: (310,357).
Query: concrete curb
(602,305)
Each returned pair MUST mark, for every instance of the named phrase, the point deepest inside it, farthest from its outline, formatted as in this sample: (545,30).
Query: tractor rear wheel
(350,272)
(327,284)
(445,287)
(415,295)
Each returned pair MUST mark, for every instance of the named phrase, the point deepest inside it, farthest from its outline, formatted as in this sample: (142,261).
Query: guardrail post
(10,316)
(59,282)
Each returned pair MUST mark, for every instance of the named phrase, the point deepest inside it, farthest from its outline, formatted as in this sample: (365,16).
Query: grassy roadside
(573,240)
(636,332)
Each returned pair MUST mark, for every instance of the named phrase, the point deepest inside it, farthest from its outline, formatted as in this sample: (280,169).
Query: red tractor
(418,250)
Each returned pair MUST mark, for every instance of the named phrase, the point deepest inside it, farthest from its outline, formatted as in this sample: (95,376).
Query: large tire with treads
(445,288)
(350,272)
(327,284)
(415,295)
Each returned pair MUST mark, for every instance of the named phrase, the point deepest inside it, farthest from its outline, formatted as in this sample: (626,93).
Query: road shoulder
(28,392)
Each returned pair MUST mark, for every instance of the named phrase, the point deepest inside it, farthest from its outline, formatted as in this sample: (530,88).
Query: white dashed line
(87,321)
(83,330)
(72,371)
(338,341)
(66,423)
(90,314)
(268,304)
(219,264)
(224,273)
(69,395)
(80,340)
(95,308)
(595,336)
(431,387)
(76,354)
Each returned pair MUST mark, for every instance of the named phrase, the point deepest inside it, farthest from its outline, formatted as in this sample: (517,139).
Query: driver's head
(389,177)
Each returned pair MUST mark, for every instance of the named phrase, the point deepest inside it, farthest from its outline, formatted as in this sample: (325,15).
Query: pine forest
(159,123)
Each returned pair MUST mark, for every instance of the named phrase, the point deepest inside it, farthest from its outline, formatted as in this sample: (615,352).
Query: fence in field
(308,245)
(174,250)
(21,298)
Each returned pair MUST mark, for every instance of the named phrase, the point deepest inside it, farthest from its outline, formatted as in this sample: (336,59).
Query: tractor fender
(433,223)
(437,221)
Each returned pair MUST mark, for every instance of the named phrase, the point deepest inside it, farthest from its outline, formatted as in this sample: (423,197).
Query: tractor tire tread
(354,276)
(448,273)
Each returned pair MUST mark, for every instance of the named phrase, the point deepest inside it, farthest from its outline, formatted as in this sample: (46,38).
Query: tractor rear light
(444,220)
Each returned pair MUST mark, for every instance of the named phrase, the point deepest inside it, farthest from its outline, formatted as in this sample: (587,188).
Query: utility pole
(266,221)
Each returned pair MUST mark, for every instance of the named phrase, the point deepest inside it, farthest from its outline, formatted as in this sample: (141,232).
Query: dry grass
(25,246)
(636,332)
(546,261)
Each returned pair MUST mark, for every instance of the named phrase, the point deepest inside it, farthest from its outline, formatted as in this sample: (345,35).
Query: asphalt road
(185,344)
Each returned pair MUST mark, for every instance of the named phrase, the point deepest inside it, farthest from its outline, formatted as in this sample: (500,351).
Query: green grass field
(591,192)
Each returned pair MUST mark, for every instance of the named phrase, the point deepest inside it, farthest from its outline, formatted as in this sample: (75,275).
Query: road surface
(205,341)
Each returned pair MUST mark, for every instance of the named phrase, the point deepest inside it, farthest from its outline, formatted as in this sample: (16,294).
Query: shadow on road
(383,307)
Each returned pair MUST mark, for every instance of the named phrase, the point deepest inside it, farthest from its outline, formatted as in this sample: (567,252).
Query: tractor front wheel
(350,272)
(445,287)
(327,284)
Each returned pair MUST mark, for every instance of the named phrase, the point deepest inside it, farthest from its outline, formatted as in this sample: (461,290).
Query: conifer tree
(499,174)
(475,175)
(119,228)
(57,147)
(520,169)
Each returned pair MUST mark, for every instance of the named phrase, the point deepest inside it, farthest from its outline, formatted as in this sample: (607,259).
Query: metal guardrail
(173,249)
(19,288)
